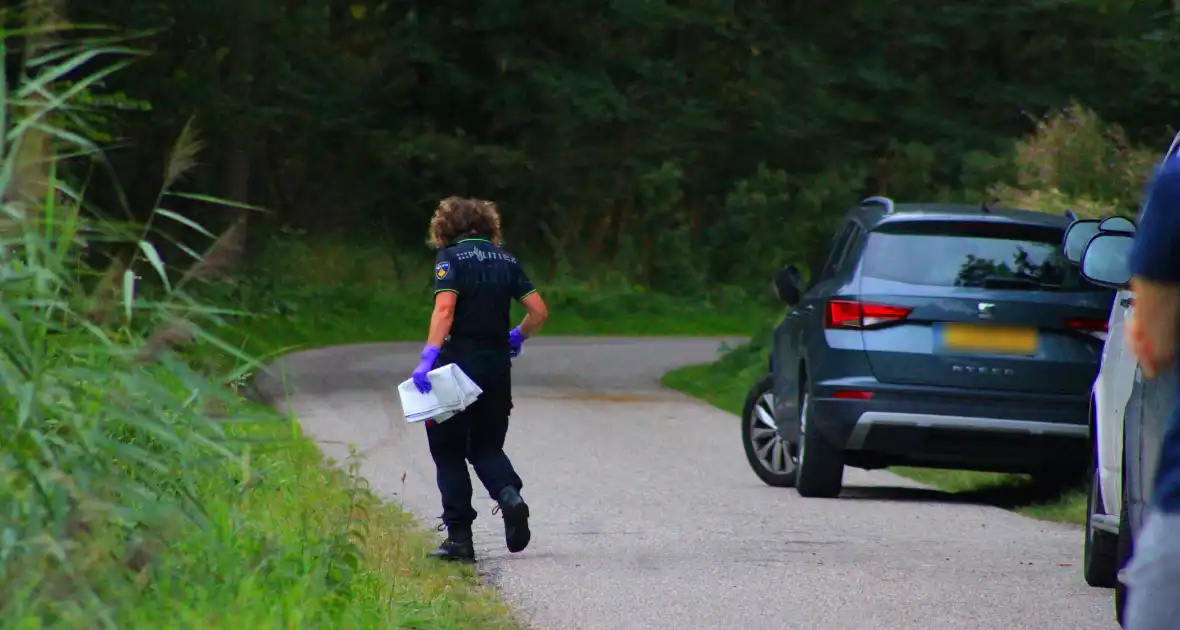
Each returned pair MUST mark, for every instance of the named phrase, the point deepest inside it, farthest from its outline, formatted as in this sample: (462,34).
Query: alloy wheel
(772,452)
(802,427)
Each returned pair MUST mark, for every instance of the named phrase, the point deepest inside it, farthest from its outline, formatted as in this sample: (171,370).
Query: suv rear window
(972,254)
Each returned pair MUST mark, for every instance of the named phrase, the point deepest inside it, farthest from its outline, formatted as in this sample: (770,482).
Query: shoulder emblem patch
(442,270)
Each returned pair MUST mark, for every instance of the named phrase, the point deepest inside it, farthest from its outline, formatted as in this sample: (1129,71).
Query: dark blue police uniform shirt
(486,279)
(1156,256)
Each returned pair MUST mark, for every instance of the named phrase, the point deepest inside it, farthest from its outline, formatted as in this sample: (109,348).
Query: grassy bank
(193,508)
(246,525)
(139,493)
(724,384)
(297,543)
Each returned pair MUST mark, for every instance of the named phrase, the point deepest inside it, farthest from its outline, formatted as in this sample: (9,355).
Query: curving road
(646,517)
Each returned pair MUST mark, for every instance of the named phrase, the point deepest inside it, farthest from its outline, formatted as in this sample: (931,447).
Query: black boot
(458,547)
(516,519)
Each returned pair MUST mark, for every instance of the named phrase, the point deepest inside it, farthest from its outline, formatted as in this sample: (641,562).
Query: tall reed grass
(103,430)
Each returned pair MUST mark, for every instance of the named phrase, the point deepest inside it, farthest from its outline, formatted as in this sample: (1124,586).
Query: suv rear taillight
(845,314)
(1085,324)
(1093,327)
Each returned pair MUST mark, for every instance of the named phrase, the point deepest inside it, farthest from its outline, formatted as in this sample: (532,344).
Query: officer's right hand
(421,372)
(421,380)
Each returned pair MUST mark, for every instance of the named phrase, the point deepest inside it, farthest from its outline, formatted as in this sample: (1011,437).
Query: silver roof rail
(1172,147)
(878,201)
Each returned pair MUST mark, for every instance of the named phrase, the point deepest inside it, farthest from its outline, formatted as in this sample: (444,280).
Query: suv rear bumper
(964,429)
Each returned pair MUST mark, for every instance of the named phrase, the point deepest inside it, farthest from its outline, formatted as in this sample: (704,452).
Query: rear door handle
(1127,301)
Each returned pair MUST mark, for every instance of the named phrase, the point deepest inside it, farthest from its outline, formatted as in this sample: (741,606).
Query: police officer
(475,282)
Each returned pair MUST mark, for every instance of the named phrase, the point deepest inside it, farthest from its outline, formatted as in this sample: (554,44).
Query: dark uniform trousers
(475,434)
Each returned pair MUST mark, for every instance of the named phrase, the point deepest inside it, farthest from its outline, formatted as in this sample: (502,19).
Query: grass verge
(147,495)
(293,541)
(725,382)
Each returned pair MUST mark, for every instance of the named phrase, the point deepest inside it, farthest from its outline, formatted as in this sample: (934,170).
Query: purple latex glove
(429,354)
(515,342)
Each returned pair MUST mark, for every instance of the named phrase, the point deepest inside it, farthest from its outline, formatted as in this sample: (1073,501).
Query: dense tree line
(677,140)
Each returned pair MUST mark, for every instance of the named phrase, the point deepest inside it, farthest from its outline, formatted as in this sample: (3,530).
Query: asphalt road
(646,516)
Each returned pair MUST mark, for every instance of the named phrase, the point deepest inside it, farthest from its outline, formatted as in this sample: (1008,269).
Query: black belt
(473,342)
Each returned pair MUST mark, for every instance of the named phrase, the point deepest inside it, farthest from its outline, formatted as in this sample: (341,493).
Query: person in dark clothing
(1153,574)
(475,282)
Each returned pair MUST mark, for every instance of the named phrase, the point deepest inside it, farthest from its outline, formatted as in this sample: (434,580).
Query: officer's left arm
(525,293)
(446,295)
(442,317)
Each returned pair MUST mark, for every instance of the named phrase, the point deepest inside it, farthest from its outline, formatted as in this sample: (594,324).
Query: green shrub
(1076,160)
(748,242)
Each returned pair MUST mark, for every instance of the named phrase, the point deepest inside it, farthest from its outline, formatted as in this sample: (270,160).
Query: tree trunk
(30,180)
(236,159)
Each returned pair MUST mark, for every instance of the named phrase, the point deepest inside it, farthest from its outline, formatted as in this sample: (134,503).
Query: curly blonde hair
(456,216)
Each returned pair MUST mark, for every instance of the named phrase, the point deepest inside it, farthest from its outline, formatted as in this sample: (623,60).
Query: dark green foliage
(680,143)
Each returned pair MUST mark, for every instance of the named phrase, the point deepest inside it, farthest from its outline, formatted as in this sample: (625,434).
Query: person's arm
(446,295)
(535,316)
(1155,269)
(530,299)
(442,317)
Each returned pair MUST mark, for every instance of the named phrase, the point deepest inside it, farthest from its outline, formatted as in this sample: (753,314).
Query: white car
(1110,394)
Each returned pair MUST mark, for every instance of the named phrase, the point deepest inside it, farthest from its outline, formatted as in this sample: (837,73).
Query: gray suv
(945,336)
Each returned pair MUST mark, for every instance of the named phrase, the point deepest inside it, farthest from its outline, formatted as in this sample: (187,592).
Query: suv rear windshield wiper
(1010,282)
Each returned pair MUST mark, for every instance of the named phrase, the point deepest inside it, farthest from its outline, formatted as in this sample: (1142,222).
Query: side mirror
(1076,236)
(1117,224)
(1107,260)
(787,283)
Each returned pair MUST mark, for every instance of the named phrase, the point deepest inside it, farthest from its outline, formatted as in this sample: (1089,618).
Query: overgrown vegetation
(1073,160)
(682,146)
(135,490)
(660,155)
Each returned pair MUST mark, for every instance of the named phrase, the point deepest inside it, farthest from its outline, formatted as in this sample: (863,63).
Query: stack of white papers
(451,391)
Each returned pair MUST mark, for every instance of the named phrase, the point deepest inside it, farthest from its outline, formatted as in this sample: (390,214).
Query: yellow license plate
(989,339)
